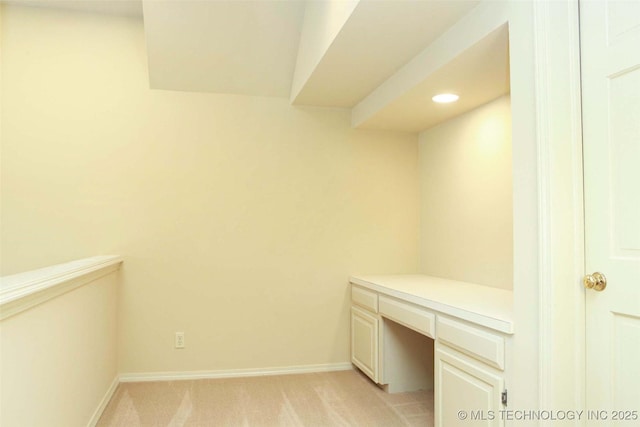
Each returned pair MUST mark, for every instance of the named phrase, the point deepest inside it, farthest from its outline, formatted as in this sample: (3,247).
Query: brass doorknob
(595,281)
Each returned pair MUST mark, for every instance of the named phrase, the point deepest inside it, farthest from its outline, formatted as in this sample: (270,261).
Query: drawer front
(364,298)
(475,342)
(417,318)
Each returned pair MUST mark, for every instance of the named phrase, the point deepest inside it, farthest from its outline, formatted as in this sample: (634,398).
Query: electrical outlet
(179,339)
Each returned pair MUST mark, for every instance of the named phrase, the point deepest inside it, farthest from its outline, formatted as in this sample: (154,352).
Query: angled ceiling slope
(242,47)
(471,58)
(384,59)
(478,75)
(348,47)
(375,40)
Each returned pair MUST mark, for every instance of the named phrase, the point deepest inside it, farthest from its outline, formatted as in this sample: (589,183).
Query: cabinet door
(364,342)
(467,392)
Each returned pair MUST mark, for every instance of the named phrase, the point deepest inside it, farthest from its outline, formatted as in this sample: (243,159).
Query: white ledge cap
(26,285)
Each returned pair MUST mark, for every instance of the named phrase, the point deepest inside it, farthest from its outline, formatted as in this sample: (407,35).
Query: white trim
(104,402)
(560,205)
(543,119)
(232,373)
(22,291)
(579,242)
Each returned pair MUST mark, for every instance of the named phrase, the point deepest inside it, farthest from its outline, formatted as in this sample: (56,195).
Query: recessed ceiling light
(444,98)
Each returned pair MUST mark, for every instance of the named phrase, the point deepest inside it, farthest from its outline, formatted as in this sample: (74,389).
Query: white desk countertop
(482,305)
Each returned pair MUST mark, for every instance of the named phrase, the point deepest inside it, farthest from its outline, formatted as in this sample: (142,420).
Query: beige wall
(466,196)
(60,357)
(240,218)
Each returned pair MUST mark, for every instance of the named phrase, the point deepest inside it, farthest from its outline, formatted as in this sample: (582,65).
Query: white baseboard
(104,402)
(231,373)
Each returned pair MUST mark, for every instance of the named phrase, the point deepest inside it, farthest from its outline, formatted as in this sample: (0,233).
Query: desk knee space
(422,333)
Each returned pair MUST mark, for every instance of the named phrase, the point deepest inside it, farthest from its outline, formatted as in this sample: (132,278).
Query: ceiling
(378,38)
(336,53)
(242,47)
(478,75)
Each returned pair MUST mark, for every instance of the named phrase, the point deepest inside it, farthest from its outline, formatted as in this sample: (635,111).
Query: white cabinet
(365,342)
(478,343)
(467,392)
(412,316)
(418,332)
(365,332)
(469,378)
(390,341)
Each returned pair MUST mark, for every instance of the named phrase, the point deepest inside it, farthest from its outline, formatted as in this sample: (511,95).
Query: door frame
(560,206)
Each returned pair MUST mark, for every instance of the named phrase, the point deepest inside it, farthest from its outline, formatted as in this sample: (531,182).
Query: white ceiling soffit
(377,39)
(132,8)
(478,75)
(229,46)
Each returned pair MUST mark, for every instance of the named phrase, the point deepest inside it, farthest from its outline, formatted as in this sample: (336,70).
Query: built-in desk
(414,331)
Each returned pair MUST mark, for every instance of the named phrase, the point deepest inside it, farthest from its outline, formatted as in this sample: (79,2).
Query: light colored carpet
(344,398)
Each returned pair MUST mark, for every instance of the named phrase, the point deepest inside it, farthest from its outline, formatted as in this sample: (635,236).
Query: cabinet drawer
(364,298)
(475,342)
(417,318)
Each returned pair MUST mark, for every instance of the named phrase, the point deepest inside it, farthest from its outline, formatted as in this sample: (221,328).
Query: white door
(610,51)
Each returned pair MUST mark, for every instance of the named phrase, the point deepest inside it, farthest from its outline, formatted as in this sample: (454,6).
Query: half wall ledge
(19,292)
